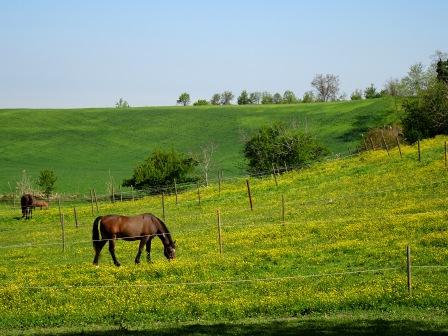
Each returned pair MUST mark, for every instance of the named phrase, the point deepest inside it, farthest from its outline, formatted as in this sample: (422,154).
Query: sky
(62,54)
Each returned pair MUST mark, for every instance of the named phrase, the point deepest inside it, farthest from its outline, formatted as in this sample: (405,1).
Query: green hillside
(84,145)
(334,265)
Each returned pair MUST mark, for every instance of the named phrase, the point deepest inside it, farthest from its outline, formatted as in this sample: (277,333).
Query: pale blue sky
(90,53)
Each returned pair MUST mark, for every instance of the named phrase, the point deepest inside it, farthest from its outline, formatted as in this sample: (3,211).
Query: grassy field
(336,265)
(85,146)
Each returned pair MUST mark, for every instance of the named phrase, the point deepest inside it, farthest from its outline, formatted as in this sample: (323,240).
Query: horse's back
(128,226)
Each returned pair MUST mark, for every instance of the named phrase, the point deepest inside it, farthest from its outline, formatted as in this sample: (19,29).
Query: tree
(427,114)
(243,99)
(308,97)
(207,152)
(416,80)
(227,97)
(255,98)
(442,71)
(394,88)
(121,103)
(327,86)
(161,168)
(46,180)
(184,99)
(200,102)
(278,145)
(216,99)
(370,92)
(289,97)
(277,98)
(356,95)
(266,98)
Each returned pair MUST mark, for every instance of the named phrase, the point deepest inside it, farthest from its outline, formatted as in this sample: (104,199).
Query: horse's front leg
(112,251)
(143,241)
(148,249)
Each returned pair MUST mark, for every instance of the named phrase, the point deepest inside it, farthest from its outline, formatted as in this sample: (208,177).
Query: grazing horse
(26,202)
(40,204)
(141,227)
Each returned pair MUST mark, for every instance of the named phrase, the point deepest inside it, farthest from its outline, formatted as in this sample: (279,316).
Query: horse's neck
(164,236)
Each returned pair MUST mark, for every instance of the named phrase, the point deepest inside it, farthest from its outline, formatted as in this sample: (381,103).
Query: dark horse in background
(141,227)
(26,202)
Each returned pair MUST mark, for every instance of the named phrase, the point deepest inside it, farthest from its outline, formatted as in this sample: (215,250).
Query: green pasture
(85,147)
(335,263)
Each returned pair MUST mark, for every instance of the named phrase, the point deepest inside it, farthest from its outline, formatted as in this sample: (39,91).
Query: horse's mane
(165,229)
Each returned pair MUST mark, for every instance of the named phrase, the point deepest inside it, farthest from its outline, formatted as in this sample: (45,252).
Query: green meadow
(85,147)
(332,261)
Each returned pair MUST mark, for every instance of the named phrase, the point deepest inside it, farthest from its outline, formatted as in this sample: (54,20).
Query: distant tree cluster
(267,98)
(121,103)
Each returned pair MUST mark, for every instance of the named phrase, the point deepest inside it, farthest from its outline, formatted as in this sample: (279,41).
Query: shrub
(278,145)
(201,102)
(427,115)
(47,179)
(376,135)
(160,169)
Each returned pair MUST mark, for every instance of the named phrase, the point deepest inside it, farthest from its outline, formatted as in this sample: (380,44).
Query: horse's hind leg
(98,247)
(112,251)
(140,249)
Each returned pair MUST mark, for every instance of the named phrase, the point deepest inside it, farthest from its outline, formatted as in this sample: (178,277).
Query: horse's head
(170,250)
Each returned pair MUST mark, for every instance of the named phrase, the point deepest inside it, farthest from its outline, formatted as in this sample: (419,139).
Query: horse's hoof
(117,264)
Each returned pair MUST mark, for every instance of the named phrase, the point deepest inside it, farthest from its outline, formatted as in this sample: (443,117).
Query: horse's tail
(95,231)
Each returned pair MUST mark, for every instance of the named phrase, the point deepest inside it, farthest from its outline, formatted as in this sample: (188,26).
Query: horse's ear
(174,244)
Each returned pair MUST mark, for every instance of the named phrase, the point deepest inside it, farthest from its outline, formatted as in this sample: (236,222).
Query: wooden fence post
(419,154)
(175,190)
(91,200)
(63,232)
(96,201)
(219,231)
(399,148)
(132,192)
(371,142)
(408,268)
(59,206)
(365,143)
(76,217)
(249,195)
(199,193)
(113,194)
(219,182)
(445,156)
(163,205)
(273,174)
(283,209)
(385,143)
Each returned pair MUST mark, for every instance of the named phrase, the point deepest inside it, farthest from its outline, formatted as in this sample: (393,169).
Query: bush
(427,115)
(278,145)
(376,135)
(160,169)
(201,102)
(47,179)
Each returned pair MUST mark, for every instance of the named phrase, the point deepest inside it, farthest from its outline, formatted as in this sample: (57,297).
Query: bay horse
(40,204)
(142,227)
(26,203)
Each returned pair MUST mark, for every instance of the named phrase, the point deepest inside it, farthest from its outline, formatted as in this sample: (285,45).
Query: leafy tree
(393,88)
(243,99)
(426,115)
(255,98)
(289,97)
(308,97)
(370,92)
(416,80)
(227,97)
(442,71)
(121,103)
(216,99)
(279,144)
(161,168)
(356,95)
(184,99)
(327,86)
(277,98)
(46,180)
(200,102)
(266,98)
